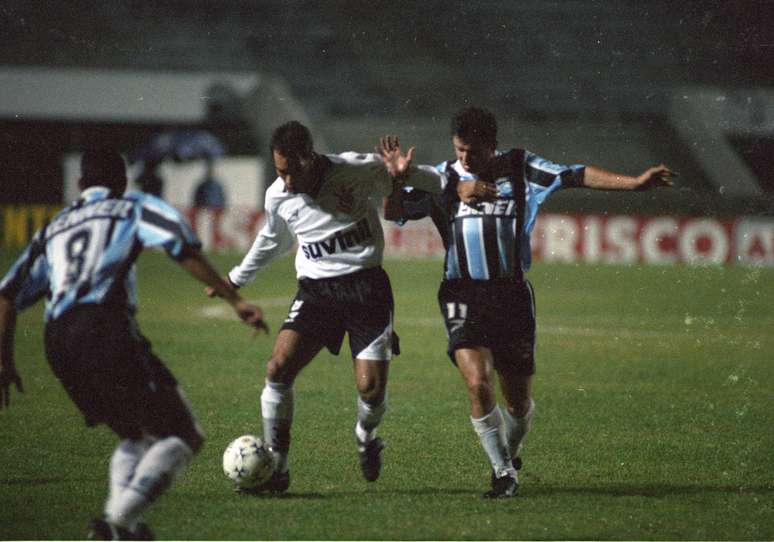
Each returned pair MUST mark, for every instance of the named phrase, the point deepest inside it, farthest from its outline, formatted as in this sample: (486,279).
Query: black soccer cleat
(515,462)
(100,529)
(371,458)
(278,483)
(505,486)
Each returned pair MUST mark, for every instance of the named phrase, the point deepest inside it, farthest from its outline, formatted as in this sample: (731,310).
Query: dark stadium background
(578,81)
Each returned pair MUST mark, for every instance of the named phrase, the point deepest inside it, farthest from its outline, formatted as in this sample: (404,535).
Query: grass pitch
(654,416)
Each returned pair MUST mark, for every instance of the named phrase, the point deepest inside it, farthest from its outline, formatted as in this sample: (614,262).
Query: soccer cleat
(99,529)
(278,483)
(516,462)
(371,458)
(505,486)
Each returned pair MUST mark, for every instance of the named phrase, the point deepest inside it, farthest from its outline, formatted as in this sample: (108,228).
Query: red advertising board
(571,238)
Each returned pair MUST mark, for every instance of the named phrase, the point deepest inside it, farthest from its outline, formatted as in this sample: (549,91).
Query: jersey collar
(95,192)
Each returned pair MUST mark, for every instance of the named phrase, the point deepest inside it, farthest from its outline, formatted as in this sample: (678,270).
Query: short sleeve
(161,225)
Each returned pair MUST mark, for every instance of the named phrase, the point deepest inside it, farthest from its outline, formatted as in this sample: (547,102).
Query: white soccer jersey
(338,231)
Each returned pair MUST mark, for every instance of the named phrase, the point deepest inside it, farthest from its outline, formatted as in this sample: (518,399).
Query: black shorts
(499,315)
(359,304)
(109,371)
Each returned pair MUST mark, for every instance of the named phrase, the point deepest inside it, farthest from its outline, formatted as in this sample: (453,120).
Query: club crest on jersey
(504,187)
(339,241)
(345,199)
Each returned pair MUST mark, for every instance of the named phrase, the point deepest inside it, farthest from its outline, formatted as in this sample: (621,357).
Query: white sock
(516,429)
(157,469)
(368,418)
(277,407)
(123,463)
(488,429)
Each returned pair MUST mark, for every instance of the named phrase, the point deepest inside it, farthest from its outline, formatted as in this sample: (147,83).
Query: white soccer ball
(248,462)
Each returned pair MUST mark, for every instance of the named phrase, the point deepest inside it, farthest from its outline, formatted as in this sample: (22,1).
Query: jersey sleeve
(27,280)
(426,178)
(274,239)
(161,225)
(423,177)
(544,173)
(370,169)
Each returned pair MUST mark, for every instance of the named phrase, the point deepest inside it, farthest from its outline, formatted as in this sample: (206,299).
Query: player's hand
(251,315)
(656,176)
(8,376)
(473,192)
(395,161)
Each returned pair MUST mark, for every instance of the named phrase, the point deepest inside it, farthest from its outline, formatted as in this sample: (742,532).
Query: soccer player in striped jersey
(328,205)
(485,216)
(83,263)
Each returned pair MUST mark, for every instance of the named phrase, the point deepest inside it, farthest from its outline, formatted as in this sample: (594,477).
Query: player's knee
(371,386)
(371,393)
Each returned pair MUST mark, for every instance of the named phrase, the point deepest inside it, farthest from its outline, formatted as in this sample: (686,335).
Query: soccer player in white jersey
(328,204)
(83,263)
(485,216)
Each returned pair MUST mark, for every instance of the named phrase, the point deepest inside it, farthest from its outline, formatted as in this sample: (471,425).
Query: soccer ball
(248,462)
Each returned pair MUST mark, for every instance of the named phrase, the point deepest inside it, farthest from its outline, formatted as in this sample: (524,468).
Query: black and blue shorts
(109,371)
(496,314)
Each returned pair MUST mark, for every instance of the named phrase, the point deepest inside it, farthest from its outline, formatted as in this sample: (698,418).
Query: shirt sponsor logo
(340,241)
(111,208)
(503,207)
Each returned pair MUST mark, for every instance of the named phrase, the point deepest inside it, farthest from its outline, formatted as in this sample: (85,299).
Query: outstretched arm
(8,374)
(200,268)
(606,180)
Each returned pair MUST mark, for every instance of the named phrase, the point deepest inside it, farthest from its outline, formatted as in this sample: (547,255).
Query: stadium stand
(606,69)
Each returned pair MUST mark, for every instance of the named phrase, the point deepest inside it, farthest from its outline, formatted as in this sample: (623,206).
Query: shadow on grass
(656,491)
(664,490)
(336,494)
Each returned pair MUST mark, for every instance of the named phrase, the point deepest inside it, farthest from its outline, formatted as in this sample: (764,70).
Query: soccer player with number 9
(83,263)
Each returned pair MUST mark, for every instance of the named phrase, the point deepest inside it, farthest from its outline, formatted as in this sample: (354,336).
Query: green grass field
(654,420)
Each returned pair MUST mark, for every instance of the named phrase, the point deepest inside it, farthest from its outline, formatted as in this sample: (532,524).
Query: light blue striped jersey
(491,240)
(86,254)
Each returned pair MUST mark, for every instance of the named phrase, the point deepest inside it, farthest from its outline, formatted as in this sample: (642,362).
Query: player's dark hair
(475,123)
(103,167)
(292,138)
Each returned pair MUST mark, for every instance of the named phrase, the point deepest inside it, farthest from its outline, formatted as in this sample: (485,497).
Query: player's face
(295,171)
(473,155)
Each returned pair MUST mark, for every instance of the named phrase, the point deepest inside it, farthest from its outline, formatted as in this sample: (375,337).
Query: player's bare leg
(477,368)
(371,383)
(292,352)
